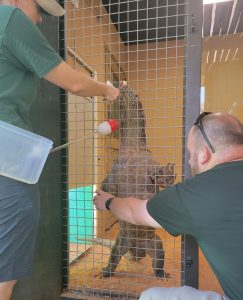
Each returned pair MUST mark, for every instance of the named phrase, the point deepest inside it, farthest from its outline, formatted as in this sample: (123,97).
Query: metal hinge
(189,262)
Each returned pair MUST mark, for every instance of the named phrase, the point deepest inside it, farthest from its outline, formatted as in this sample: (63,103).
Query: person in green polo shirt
(26,56)
(209,206)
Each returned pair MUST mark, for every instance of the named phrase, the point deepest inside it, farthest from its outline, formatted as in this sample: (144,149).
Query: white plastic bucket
(22,153)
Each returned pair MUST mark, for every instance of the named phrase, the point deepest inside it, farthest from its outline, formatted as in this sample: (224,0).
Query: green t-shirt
(25,55)
(210,208)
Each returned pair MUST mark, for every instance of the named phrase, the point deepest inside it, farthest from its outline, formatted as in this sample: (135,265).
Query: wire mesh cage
(138,46)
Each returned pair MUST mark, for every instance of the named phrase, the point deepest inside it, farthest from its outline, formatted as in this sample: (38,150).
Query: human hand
(100,199)
(111,93)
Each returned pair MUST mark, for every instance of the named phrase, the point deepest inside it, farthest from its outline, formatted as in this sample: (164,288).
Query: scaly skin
(136,174)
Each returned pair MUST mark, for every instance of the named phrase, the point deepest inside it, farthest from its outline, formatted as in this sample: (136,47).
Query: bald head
(222,129)
(225,134)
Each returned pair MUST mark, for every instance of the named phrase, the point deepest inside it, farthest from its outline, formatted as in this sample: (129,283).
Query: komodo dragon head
(164,176)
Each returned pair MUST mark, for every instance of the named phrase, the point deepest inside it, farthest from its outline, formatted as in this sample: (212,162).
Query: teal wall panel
(80,214)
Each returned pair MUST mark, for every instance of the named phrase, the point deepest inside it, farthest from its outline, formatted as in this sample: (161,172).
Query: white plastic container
(22,153)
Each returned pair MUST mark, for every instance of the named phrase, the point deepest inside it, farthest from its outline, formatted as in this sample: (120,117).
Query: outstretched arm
(79,83)
(128,209)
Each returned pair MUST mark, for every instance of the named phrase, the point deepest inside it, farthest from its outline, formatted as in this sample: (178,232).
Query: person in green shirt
(26,56)
(208,206)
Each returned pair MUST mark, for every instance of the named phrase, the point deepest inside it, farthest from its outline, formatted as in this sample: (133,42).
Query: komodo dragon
(135,173)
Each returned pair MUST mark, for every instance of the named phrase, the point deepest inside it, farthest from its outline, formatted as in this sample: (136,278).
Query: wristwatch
(108,203)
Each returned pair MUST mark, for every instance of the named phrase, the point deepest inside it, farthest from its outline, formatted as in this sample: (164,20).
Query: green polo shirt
(210,208)
(25,56)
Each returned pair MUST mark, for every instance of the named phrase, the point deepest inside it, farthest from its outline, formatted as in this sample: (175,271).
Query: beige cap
(52,7)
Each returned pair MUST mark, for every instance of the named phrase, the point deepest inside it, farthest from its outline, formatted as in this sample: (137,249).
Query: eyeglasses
(199,124)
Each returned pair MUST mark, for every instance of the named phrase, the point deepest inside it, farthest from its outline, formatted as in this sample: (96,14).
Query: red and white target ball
(107,127)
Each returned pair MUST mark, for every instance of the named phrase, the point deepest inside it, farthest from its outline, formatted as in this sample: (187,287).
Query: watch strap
(108,203)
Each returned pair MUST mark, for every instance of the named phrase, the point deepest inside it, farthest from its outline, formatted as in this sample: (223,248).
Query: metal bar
(72,142)
(191,111)
(64,191)
(80,60)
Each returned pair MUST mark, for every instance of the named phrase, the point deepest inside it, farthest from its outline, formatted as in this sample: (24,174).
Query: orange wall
(156,74)
(222,65)
(87,35)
